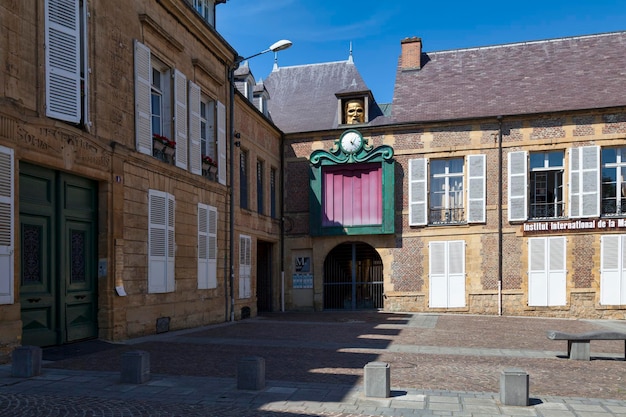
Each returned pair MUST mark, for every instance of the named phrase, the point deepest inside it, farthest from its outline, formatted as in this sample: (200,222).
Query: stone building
(115,211)
(507,191)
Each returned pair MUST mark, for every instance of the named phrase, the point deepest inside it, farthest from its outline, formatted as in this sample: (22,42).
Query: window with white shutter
(221,143)
(7,223)
(476,190)
(65,50)
(613,270)
(518,183)
(161,244)
(546,271)
(207,246)
(245,266)
(143,107)
(584,182)
(613,181)
(196,123)
(418,213)
(447,274)
(180,119)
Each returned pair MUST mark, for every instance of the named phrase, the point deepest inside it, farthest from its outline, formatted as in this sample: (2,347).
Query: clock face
(351,142)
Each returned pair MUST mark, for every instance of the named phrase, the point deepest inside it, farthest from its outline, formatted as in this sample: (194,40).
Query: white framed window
(446,274)
(546,271)
(207,246)
(160,105)
(206,9)
(245,266)
(546,185)
(161,242)
(7,236)
(447,191)
(613,270)
(66,62)
(613,181)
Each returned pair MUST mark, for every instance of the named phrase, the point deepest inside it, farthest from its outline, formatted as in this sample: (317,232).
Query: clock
(351,141)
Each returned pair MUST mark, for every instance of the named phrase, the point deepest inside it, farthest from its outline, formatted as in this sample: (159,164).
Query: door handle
(34,300)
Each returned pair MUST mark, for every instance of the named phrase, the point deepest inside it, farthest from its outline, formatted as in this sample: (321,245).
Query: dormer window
(206,9)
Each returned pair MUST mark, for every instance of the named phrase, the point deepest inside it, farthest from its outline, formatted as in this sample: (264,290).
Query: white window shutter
(207,247)
(180,119)
(7,193)
(456,273)
(557,272)
(613,270)
(584,182)
(195,161)
(62,60)
(476,195)
(161,244)
(203,246)
(438,284)
(418,203)
(221,143)
(171,243)
(245,265)
(537,274)
(518,179)
(143,106)
(212,247)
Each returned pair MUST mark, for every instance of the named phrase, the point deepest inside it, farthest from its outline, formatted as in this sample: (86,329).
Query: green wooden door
(58,257)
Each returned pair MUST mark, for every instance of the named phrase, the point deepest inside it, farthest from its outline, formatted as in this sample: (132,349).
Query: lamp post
(275,47)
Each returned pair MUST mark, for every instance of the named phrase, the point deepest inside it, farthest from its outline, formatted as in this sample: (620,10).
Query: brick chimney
(411,53)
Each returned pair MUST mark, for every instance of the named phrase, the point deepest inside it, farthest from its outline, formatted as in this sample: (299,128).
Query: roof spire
(350,60)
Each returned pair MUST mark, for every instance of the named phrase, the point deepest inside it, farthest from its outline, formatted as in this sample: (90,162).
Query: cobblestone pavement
(440,365)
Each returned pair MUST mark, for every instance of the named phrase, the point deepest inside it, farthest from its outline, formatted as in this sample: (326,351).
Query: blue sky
(322,30)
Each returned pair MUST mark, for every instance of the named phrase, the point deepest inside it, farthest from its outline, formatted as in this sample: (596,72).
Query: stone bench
(578,343)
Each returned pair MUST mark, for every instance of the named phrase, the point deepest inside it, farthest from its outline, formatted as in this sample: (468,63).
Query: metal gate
(353,278)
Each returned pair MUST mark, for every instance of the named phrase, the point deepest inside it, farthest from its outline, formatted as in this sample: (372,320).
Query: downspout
(282,222)
(500,220)
(231,144)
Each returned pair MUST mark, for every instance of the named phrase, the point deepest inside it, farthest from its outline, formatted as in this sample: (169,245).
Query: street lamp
(275,47)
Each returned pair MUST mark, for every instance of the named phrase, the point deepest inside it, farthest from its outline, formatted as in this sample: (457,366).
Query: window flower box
(163,148)
(209,167)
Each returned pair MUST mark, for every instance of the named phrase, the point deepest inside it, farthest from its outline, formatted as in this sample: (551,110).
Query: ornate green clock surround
(352,148)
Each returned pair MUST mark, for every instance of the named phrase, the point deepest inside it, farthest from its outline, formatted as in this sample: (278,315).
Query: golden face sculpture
(355,113)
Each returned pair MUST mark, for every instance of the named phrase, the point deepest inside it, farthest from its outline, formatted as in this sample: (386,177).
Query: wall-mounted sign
(303,264)
(301,281)
(562,226)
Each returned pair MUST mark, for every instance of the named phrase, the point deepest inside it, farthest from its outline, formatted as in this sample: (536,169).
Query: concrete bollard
(377,380)
(135,367)
(514,387)
(26,361)
(251,373)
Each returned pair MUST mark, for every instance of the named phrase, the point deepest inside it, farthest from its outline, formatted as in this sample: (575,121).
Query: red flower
(164,140)
(208,160)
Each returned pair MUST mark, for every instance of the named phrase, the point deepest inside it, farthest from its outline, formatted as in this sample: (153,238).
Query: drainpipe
(282,223)
(500,244)
(231,145)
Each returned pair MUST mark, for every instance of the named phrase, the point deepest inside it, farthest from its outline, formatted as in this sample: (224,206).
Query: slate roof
(302,97)
(562,74)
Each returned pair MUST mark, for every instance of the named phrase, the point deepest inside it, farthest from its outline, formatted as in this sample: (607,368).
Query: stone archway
(353,278)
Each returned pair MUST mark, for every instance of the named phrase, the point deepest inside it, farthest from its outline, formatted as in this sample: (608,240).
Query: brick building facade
(115,211)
